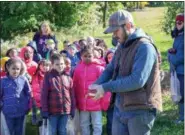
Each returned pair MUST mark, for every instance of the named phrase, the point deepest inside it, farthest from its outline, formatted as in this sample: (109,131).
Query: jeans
(57,124)
(96,119)
(136,122)
(181,103)
(109,120)
(15,125)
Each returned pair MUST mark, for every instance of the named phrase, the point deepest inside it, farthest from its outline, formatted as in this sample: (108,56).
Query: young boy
(57,97)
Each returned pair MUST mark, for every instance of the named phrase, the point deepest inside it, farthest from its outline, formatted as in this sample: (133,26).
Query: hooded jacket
(30,64)
(85,75)
(36,56)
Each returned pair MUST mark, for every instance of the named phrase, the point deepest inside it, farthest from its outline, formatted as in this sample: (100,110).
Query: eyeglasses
(179,23)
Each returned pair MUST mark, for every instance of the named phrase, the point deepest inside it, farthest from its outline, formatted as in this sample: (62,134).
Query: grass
(150,20)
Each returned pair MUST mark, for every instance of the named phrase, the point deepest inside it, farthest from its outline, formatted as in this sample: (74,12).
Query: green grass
(150,20)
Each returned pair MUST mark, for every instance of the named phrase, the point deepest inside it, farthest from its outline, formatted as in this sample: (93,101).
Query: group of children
(55,84)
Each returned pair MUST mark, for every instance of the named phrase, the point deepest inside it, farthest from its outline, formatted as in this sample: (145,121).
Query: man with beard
(133,75)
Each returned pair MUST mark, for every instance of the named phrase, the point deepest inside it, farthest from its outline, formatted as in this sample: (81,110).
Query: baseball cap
(117,19)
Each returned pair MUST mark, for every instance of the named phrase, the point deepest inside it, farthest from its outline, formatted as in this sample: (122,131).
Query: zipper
(84,88)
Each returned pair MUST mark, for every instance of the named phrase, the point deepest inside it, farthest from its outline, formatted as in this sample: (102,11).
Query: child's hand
(72,114)
(45,115)
(172,50)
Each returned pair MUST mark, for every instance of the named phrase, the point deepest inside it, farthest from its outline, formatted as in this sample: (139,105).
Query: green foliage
(173,8)
(135,5)
(156,4)
(22,17)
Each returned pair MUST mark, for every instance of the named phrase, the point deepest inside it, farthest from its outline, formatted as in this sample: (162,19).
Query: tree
(173,8)
(22,17)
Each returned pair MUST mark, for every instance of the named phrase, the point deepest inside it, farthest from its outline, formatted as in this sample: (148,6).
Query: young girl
(12,53)
(15,96)
(27,56)
(37,83)
(98,54)
(86,72)
(57,99)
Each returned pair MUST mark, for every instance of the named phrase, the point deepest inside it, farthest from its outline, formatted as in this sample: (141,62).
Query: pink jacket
(84,75)
(37,83)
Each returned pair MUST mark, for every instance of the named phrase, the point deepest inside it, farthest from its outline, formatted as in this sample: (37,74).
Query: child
(15,96)
(12,53)
(36,56)
(72,55)
(98,54)
(37,83)
(57,99)
(108,57)
(86,72)
(27,56)
(50,45)
(66,43)
(67,66)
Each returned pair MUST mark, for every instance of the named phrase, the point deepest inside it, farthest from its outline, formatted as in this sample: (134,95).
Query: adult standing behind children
(134,76)
(176,59)
(42,36)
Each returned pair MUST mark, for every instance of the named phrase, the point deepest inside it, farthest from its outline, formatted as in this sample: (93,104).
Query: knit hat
(3,61)
(72,46)
(50,42)
(180,17)
(117,19)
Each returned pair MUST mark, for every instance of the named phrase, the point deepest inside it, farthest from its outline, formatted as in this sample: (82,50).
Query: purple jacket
(41,43)
(15,96)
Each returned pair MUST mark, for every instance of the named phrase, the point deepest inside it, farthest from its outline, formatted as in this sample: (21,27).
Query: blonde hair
(48,27)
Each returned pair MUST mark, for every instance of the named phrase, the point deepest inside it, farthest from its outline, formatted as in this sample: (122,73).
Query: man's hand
(99,91)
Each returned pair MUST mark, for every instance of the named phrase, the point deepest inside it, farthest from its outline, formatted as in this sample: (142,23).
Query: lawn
(150,20)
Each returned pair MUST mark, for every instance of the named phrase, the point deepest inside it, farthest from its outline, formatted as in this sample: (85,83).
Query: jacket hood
(22,52)
(96,62)
(33,45)
(138,33)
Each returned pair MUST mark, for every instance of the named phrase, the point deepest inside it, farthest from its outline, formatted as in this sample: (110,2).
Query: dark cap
(117,19)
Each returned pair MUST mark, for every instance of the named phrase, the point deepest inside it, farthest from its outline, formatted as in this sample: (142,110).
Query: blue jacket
(177,59)
(143,62)
(74,59)
(15,96)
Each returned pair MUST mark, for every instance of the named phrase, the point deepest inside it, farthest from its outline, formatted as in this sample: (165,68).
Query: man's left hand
(99,91)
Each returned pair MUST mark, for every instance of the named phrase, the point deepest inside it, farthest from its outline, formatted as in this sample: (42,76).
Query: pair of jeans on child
(57,124)
(96,120)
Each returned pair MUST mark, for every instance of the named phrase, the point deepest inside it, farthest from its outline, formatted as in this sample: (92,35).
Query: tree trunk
(104,14)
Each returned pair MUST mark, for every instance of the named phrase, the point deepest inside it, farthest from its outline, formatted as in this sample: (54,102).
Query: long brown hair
(49,32)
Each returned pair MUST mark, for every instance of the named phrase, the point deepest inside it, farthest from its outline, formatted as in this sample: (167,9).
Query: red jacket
(37,83)
(30,64)
(57,94)
(84,75)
